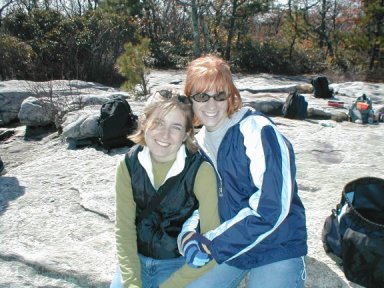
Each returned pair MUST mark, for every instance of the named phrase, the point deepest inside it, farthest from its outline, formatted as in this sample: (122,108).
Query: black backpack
(321,88)
(116,122)
(295,106)
(355,231)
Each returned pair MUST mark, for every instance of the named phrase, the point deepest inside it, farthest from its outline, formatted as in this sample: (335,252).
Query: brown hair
(166,105)
(211,73)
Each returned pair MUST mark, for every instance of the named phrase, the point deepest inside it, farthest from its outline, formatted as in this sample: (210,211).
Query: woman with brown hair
(161,182)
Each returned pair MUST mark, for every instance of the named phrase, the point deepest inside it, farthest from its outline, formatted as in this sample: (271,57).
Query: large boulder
(57,204)
(62,95)
(12,94)
(36,112)
(81,124)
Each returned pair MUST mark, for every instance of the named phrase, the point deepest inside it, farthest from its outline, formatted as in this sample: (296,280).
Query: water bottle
(370,116)
(328,123)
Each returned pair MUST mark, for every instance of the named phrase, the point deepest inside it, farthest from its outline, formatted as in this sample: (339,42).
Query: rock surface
(63,95)
(57,204)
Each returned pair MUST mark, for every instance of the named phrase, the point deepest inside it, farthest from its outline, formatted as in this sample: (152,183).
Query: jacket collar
(178,165)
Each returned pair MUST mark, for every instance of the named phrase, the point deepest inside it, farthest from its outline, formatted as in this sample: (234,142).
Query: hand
(195,250)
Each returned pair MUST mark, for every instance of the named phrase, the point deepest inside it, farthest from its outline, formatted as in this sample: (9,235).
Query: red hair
(211,73)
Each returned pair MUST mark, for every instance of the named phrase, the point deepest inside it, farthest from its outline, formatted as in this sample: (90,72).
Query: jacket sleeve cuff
(191,225)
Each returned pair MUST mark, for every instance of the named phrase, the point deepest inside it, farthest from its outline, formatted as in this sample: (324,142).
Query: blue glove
(194,252)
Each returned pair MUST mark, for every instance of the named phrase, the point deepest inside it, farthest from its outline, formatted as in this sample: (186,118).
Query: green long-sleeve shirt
(206,194)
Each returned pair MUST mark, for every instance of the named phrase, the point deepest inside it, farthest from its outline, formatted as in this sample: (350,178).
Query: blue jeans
(288,273)
(153,271)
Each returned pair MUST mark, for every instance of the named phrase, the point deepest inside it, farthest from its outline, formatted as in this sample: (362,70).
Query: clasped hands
(195,249)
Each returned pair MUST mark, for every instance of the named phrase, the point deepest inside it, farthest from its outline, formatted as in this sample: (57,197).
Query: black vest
(157,233)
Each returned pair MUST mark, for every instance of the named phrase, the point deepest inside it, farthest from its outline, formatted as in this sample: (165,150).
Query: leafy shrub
(271,57)
(37,29)
(81,47)
(167,54)
(16,58)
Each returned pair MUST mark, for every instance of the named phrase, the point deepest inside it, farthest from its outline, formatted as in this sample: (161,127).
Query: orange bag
(362,106)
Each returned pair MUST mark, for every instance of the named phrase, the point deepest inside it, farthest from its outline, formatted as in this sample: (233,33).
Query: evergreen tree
(131,65)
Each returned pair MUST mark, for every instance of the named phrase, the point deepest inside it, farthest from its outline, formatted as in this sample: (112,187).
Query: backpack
(361,109)
(321,88)
(355,231)
(115,123)
(295,106)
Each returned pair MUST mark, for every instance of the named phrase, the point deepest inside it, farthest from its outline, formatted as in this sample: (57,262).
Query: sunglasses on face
(204,97)
(169,95)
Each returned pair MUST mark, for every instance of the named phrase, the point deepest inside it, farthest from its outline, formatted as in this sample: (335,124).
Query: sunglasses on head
(169,95)
(204,97)
(165,93)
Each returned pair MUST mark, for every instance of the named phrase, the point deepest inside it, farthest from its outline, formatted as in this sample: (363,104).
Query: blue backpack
(361,112)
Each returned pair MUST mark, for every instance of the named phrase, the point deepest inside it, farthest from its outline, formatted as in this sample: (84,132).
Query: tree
(374,23)
(240,11)
(194,6)
(123,7)
(131,65)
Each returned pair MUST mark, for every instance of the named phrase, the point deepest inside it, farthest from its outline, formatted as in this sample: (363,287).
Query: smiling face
(212,75)
(165,133)
(211,113)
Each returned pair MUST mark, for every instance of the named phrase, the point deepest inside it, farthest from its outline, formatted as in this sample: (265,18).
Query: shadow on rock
(7,133)
(320,275)
(290,78)
(36,133)
(36,270)
(326,153)
(10,190)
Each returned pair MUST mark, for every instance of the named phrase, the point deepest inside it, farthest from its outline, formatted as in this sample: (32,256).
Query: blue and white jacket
(262,216)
